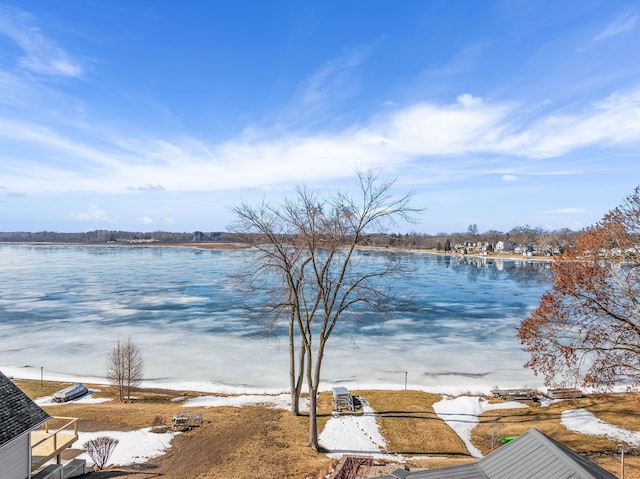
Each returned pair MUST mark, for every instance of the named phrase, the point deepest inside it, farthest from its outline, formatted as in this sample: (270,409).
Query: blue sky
(161,115)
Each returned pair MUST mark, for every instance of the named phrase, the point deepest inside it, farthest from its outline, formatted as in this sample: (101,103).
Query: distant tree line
(537,239)
(108,236)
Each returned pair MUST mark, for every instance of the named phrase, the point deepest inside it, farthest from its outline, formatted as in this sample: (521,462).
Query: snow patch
(354,434)
(461,414)
(583,421)
(134,447)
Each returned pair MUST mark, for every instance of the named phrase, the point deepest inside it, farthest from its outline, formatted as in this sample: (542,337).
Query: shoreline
(32,374)
(241,246)
(451,391)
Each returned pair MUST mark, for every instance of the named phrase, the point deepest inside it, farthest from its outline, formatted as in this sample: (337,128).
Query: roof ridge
(579,463)
(584,468)
(18,412)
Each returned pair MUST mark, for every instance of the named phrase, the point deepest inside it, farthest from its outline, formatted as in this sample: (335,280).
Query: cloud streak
(566,211)
(41,54)
(423,133)
(624,23)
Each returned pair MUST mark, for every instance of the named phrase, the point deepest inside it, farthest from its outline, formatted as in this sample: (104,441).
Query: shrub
(100,449)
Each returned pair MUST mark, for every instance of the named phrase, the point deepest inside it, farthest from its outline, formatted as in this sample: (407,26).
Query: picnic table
(184,421)
(342,399)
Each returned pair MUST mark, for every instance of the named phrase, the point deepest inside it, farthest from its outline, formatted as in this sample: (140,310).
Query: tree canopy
(586,330)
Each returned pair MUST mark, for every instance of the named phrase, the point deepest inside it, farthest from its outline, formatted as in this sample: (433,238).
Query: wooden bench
(564,393)
(514,394)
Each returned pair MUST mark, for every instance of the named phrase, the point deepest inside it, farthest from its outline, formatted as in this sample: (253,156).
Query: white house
(28,441)
(19,415)
(504,246)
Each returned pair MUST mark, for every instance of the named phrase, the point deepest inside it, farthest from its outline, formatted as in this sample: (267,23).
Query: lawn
(259,442)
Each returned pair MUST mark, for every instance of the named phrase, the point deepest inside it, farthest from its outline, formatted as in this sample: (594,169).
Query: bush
(100,449)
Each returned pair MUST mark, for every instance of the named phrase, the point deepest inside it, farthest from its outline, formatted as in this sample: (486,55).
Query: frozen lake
(63,307)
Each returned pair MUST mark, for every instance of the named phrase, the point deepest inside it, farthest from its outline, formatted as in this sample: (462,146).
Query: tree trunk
(313,400)
(313,420)
(295,406)
(313,408)
(300,381)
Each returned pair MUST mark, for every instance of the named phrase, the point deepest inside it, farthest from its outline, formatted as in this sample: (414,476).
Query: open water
(63,307)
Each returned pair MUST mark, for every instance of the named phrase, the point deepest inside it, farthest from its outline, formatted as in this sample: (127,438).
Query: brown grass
(258,442)
(411,427)
(616,409)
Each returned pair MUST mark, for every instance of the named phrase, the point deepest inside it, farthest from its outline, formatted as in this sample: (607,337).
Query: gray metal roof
(18,413)
(463,471)
(532,455)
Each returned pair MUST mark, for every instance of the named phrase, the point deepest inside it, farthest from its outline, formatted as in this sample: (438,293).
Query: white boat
(72,392)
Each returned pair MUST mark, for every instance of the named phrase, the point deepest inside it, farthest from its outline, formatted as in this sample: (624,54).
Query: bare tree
(100,450)
(125,367)
(308,242)
(587,328)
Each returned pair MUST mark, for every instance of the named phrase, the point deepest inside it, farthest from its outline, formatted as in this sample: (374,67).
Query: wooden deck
(59,433)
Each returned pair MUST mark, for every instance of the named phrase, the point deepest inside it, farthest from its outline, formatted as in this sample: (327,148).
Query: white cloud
(144,220)
(510,178)
(566,211)
(147,187)
(428,129)
(448,139)
(41,54)
(94,213)
(467,100)
(624,23)
(613,121)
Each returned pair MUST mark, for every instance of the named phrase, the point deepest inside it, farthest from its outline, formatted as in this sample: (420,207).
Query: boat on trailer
(70,393)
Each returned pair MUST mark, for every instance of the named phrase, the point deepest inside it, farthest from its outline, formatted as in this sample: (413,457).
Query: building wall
(14,458)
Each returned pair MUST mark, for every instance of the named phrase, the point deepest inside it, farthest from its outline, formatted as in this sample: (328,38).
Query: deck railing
(49,442)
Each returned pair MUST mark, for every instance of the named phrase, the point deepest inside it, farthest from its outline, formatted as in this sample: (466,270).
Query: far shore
(240,246)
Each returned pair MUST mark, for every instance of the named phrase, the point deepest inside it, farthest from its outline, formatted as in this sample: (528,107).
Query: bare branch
(309,241)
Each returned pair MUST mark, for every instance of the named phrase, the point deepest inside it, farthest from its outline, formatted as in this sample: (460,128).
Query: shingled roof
(532,455)
(18,413)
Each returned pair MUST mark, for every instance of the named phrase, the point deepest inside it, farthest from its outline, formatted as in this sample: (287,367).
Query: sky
(164,115)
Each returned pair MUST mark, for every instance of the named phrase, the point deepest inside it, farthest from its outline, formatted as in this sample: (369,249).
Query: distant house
(502,246)
(26,439)
(19,415)
(531,455)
